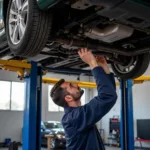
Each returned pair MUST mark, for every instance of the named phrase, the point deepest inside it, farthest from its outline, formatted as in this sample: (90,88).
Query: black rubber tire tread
(139,69)
(36,34)
(3,42)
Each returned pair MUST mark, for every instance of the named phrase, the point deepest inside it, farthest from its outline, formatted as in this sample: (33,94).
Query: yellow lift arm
(80,83)
(15,63)
(15,66)
(93,84)
(21,66)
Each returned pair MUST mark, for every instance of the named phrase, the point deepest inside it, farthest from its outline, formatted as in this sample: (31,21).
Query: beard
(78,95)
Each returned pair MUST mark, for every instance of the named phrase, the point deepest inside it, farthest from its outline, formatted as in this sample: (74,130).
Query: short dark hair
(58,94)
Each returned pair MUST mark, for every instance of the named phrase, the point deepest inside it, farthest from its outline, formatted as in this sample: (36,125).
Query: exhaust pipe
(99,46)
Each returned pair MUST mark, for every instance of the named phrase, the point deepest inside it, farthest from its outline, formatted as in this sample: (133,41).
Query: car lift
(32,74)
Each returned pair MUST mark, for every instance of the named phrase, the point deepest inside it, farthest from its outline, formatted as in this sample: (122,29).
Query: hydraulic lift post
(126,126)
(32,110)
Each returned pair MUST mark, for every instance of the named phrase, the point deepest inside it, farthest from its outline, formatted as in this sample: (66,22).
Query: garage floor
(107,148)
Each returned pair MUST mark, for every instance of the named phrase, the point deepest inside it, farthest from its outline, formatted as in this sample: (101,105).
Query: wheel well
(5,6)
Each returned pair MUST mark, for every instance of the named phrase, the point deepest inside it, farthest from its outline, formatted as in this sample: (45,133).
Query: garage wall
(141,103)
(10,125)
(11,121)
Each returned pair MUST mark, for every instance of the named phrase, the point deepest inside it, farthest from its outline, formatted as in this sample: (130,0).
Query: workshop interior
(39,44)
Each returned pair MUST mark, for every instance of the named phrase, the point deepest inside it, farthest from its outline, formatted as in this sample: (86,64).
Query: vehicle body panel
(46,4)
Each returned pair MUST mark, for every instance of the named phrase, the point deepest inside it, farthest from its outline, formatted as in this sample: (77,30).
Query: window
(83,98)
(5,95)
(11,95)
(17,96)
(53,107)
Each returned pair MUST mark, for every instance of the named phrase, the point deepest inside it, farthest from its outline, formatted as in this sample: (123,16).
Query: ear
(68,98)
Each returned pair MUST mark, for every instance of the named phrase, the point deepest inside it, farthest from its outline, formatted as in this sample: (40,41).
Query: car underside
(119,30)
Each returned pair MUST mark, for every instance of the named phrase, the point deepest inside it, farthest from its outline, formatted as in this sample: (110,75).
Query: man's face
(74,91)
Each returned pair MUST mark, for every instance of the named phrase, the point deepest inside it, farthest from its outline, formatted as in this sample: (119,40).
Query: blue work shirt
(79,122)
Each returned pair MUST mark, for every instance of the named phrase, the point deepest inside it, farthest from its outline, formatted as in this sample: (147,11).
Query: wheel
(134,67)
(27,27)
(53,144)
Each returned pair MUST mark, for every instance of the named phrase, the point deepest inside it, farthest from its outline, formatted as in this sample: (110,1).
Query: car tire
(53,144)
(3,41)
(138,70)
(36,34)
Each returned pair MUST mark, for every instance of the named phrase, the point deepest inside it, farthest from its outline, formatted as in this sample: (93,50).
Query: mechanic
(79,121)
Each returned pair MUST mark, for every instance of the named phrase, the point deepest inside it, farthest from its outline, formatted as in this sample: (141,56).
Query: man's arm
(111,76)
(92,112)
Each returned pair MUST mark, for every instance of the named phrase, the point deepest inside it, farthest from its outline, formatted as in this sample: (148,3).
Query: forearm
(93,64)
(106,69)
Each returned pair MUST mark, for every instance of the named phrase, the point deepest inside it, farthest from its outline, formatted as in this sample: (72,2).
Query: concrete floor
(107,148)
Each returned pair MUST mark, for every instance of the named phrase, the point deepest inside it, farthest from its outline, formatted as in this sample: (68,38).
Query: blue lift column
(127,127)
(32,110)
